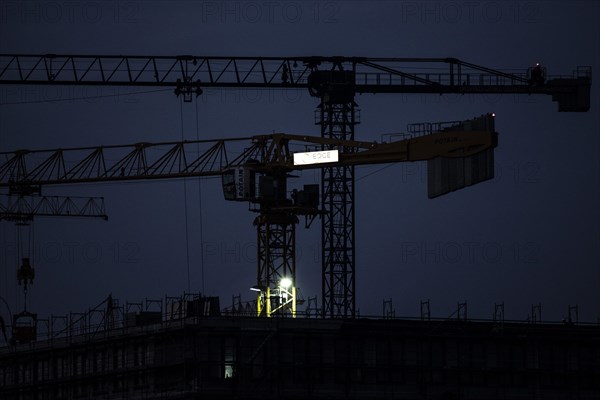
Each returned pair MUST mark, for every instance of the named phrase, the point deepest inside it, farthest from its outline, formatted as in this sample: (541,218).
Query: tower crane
(257,175)
(335,82)
(21,207)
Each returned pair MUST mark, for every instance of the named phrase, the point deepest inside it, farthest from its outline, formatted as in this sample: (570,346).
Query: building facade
(234,357)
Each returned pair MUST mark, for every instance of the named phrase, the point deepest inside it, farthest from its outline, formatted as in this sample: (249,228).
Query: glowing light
(285,283)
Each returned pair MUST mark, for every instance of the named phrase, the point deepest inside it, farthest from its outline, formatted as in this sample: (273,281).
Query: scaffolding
(228,357)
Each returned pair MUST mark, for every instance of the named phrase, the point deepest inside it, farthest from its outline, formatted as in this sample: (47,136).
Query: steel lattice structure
(276,234)
(271,157)
(189,73)
(23,208)
(337,121)
(334,80)
(23,169)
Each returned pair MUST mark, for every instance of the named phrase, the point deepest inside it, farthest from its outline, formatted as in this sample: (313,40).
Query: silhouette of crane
(21,207)
(258,175)
(335,82)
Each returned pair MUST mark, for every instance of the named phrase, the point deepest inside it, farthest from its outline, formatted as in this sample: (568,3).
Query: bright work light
(285,283)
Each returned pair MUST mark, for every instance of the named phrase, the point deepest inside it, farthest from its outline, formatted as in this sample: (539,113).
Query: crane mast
(335,82)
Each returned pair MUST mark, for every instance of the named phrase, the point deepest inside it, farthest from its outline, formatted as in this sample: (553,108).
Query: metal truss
(24,208)
(188,73)
(22,170)
(335,80)
(337,121)
(276,233)
(126,162)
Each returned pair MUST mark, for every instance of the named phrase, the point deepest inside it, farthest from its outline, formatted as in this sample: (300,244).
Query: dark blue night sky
(532,235)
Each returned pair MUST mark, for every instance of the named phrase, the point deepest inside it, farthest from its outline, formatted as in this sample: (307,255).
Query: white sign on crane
(316,157)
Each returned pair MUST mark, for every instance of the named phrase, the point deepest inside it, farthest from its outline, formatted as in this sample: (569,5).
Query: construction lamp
(285,283)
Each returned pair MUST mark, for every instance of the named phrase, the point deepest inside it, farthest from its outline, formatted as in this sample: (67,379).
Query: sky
(530,236)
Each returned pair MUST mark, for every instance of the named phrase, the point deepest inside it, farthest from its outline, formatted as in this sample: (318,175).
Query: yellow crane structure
(258,175)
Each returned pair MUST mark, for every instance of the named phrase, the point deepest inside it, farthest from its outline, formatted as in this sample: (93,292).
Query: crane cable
(18,252)
(187,239)
(376,171)
(200,209)
(31,254)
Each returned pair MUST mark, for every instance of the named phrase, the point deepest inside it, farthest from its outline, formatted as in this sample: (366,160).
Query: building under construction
(186,348)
